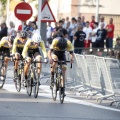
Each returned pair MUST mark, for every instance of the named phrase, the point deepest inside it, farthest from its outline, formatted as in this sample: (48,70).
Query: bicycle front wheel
(36,83)
(55,88)
(18,80)
(61,92)
(2,78)
(29,84)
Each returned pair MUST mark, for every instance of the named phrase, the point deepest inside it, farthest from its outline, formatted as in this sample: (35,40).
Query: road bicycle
(58,78)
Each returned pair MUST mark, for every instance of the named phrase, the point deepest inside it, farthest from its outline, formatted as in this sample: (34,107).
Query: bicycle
(20,76)
(2,68)
(58,77)
(34,77)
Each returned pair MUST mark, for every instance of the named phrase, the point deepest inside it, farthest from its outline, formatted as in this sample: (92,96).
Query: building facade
(87,8)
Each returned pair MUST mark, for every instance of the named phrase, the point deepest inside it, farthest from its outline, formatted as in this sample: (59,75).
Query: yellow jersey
(55,47)
(29,45)
(4,42)
(18,44)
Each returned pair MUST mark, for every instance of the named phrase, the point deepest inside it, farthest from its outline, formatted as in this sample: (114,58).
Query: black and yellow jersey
(56,48)
(4,42)
(18,44)
(30,45)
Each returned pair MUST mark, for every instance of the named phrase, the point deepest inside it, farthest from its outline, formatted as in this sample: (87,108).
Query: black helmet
(62,44)
(23,34)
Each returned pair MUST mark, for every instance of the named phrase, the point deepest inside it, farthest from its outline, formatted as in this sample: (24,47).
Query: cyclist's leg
(17,56)
(38,58)
(26,66)
(55,58)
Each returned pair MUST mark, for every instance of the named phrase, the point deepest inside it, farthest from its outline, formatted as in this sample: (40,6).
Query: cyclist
(31,49)
(57,53)
(5,46)
(17,49)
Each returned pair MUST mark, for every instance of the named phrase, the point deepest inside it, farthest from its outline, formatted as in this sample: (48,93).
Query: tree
(3,3)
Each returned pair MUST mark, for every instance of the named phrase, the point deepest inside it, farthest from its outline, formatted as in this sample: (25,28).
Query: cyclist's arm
(42,45)
(70,48)
(25,49)
(14,46)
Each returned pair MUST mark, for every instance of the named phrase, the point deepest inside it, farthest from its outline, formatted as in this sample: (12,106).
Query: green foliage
(4,2)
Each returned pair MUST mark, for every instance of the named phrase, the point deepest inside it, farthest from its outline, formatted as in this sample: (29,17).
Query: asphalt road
(19,106)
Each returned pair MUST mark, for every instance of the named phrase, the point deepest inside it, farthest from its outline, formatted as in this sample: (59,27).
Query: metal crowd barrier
(97,75)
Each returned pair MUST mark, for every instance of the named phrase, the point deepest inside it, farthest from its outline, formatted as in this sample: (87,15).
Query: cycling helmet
(62,44)
(23,34)
(36,38)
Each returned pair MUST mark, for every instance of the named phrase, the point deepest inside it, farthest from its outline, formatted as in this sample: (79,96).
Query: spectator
(110,34)
(72,28)
(92,22)
(94,36)
(35,28)
(59,30)
(117,49)
(11,30)
(83,21)
(49,33)
(79,38)
(88,31)
(79,21)
(4,30)
(67,23)
(20,27)
(102,21)
(101,36)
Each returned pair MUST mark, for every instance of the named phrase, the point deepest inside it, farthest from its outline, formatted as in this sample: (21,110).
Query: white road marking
(21,11)
(11,88)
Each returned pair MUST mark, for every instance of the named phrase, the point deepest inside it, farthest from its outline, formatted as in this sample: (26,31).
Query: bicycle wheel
(2,78)
(36,83)
(29,84)
(55,88)
(18,80)
(61,93)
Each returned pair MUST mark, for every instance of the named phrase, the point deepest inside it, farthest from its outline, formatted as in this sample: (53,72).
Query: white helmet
(36,38)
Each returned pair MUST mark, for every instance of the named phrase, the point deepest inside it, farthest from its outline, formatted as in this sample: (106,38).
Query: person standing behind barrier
(101,36)
(79,38)
(102,20)
(94,36)
(88,31)
(110,34)
(92,22)
(4,30)
(72,28)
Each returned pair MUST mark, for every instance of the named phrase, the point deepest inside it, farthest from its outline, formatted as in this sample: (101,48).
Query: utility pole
(41,26)
(97,10)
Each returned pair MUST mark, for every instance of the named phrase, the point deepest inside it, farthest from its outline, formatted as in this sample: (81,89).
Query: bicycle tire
(36,83)
(61,95)
(2,82)
(29,84)
(18,81)
(55,88)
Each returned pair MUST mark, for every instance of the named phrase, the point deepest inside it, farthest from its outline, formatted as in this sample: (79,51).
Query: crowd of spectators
(85,34)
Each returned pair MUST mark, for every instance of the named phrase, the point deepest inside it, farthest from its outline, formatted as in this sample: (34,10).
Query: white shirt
(49,31)
(36,31)
(94,37)
(87,31)
(11,31)
(72,27)
(105,24)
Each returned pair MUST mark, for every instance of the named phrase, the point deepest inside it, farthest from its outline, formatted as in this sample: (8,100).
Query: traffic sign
(46,13)
(23,11)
